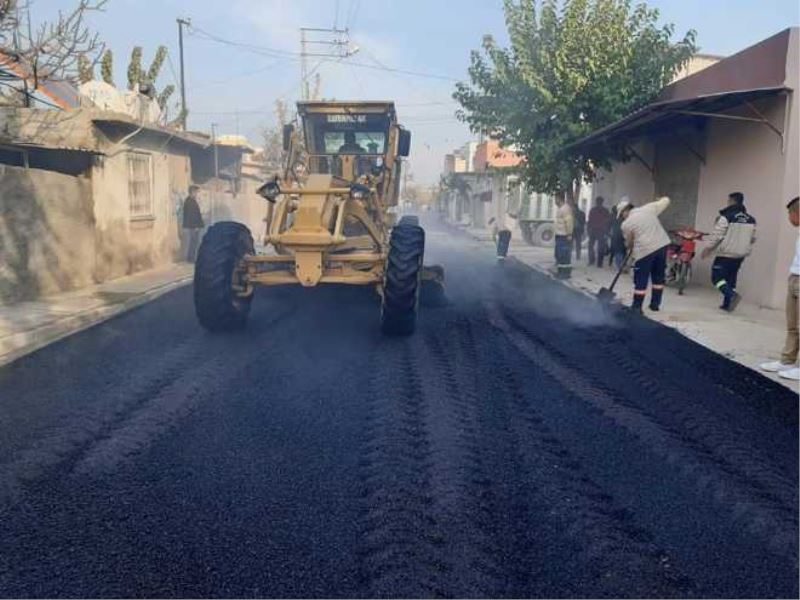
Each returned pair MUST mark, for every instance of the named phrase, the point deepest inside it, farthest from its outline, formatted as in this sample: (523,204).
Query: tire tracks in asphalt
(461,476)
(69,439)
(207,377)
(618,557)
(143,406)
(713,476)
(402,554)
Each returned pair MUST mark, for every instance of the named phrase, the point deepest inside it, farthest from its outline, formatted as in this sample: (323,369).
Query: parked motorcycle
(679,256)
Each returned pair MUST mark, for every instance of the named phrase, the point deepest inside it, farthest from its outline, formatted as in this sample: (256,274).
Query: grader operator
(328,221)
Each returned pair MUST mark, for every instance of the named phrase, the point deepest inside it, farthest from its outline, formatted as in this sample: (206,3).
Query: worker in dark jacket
(192,222)
(617,250)
(599,226)
(579,227)
(732,241)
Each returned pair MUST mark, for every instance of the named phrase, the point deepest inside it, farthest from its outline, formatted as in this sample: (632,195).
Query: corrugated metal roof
(659,113)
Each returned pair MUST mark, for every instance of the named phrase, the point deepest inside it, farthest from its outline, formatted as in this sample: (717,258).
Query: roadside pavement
(28,326)
(757,337)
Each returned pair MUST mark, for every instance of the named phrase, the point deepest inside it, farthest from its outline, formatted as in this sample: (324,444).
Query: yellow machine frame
(307,224)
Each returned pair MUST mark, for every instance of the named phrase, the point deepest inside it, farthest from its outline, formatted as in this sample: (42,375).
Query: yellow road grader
(328,221)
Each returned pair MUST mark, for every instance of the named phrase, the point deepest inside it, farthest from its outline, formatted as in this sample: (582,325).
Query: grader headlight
(359,192)
(270,190)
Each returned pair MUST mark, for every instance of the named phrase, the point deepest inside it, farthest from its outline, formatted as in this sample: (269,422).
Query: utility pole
(216,168)
(334,42)
(181,24)
(303,65)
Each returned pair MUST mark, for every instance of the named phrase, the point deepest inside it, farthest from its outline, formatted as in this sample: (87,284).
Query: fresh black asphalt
(523,443)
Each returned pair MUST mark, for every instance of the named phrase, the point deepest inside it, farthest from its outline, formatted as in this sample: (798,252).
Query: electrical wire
(195,31)
(352,13)
(336,15)
(242,75)
(273,53)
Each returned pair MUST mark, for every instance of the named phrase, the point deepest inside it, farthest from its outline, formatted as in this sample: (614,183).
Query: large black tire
(545,235)
(409,220)
(527,233)
(217,307)
(403,280)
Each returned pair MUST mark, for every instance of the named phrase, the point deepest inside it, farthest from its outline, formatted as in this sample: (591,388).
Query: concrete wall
(787,235)
(219,202)
(630,179)
(677,175)
(47,241)
(747,157)
(124,244)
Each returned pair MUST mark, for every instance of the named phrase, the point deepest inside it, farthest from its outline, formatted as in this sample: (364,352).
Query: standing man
(644,233)
(598,226)
(564,227)
(732,241)
(501,237)
(616,255)
(192,222)
(579,227)
(786,367)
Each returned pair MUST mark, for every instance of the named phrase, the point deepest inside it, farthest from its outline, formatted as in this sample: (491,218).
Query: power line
(273,53)
(263,50)
(244,74)
(352,13)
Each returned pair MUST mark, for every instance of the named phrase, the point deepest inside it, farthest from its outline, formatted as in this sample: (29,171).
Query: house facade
(88,195)
(731,127)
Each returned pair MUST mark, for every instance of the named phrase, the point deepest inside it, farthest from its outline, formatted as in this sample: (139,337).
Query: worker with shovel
(648,241)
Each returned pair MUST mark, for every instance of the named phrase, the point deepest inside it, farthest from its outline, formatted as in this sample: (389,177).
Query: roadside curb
(26,342)
(546,272)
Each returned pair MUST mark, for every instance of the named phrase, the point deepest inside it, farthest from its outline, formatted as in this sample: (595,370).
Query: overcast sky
(427,37)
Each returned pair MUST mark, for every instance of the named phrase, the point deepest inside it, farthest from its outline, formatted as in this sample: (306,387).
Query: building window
(140,185)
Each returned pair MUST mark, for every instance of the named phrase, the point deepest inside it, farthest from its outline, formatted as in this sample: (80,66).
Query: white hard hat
(624,203)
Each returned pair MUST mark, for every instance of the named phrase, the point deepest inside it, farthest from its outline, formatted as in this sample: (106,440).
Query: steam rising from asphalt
(517,286)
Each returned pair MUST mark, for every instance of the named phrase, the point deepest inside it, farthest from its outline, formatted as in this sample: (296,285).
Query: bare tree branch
(53,49)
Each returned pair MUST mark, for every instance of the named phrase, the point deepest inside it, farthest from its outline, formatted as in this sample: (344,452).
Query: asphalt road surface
(522,443)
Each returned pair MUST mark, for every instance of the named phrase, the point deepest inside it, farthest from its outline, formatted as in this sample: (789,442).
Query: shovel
(607,295)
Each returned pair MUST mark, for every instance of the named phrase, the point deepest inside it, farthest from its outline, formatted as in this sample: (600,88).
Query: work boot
(655,299)
(638,301)
(731,301)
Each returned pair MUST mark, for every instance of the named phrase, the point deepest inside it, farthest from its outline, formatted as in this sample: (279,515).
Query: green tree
(107,67)
(158,62)
(272,137)
(572,67)
(165,95)
(85,69)
(135,69)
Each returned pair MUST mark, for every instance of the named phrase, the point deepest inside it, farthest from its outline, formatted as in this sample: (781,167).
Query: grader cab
(328,221)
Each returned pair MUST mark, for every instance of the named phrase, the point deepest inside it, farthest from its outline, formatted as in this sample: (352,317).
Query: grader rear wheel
(217,305)
(409,220)
(403,280)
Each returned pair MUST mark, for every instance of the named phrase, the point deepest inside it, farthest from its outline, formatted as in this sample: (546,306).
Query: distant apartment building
(490,155)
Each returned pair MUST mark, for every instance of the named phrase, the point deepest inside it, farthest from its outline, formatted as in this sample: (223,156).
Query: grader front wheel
(218,306)
(403,280)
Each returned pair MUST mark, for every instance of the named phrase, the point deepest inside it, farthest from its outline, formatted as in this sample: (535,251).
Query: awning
(665,115)
(127,125)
